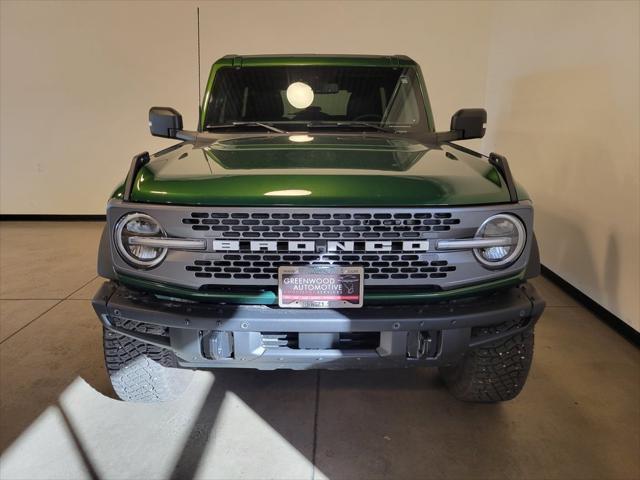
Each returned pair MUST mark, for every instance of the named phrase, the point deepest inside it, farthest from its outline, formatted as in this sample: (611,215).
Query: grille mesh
(387,266)
(321,225)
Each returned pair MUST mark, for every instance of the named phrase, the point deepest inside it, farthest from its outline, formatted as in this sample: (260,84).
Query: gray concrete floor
(578,416)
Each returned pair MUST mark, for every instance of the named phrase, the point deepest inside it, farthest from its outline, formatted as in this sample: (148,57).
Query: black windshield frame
(348,97)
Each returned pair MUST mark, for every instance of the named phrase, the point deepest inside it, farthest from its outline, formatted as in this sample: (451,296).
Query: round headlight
(136,226)
(502,226)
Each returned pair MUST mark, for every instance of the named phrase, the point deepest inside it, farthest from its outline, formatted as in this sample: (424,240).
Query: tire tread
(141,372)
(493,373)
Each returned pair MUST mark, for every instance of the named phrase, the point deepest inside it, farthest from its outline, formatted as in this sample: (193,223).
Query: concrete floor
(578,416)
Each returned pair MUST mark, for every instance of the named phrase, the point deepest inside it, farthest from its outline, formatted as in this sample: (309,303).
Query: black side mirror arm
(441,137)
(187,135)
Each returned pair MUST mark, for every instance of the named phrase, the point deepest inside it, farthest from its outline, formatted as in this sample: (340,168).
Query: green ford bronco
(316,219)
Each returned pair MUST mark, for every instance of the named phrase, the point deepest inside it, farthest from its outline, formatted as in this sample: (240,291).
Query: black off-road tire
(495,372)
(141,372)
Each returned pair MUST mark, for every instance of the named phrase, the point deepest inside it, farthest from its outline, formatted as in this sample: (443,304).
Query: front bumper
(216,335)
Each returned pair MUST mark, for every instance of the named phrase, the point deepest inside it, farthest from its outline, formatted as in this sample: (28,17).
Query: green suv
(316,219)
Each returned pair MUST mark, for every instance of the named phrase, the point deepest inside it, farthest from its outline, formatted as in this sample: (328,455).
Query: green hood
(318,170)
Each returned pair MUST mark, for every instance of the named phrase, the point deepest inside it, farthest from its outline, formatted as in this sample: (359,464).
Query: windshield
(302,97)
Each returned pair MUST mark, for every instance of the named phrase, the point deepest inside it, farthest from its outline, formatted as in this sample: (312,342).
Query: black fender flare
(533,265)
(105,262)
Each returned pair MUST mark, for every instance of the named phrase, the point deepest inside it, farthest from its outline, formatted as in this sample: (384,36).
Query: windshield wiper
(352,124)
(246,124)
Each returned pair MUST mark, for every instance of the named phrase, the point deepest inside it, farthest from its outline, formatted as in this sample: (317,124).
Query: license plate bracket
(320,287)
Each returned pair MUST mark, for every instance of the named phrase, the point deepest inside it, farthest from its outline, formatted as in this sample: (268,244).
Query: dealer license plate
(320,287)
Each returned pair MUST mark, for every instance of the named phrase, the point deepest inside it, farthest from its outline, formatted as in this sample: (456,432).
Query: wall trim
(9,217)
(615,322)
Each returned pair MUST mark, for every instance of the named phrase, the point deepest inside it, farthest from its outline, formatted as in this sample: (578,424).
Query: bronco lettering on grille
(313,246)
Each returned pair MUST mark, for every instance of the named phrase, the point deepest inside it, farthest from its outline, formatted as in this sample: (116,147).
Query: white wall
(562,97)
(76,82)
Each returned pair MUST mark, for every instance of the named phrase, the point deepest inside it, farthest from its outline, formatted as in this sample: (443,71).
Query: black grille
(404,225)
(377,266)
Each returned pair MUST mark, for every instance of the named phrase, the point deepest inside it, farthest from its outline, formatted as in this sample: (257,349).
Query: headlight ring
(139,225)
(501,225)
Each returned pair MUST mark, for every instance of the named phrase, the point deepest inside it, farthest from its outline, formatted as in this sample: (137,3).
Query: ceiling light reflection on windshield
(300,138)
(287,193)
(300,95)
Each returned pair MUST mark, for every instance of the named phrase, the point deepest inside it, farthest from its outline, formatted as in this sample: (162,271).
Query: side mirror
(164,122)
(469,123)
